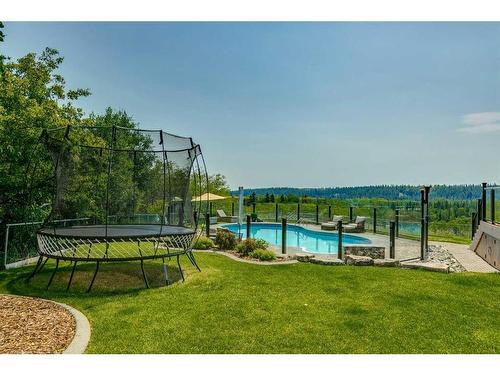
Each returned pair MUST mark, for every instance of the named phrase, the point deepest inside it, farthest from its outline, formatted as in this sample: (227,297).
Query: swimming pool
(310,240)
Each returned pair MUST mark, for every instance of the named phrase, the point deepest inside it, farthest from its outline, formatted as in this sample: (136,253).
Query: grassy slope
(233,307)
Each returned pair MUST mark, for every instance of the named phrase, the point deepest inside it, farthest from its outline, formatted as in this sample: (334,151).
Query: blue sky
(298,104)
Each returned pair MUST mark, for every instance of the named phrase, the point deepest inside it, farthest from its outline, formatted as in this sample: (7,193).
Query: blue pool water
(313,241)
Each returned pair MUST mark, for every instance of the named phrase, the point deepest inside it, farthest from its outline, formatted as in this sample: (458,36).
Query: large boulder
(428,266)
(304,257)
(357,260)
(386,262)
(327,261)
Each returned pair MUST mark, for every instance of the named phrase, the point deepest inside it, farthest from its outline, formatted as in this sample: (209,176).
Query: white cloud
(482,122)
(485,128)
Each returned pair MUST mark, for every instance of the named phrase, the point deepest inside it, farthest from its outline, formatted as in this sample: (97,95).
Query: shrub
(203,243)
(225,239)
(261,244)
(263,254)
(247,246)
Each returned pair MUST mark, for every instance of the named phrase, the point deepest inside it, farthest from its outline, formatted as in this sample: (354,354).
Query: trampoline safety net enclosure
(135,188)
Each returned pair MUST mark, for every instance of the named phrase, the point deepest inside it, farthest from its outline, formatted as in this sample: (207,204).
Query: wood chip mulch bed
(31,325)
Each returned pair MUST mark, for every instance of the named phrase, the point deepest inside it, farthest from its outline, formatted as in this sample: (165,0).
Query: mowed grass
(233,307)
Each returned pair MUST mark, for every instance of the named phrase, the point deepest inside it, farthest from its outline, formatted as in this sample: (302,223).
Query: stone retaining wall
(374,252)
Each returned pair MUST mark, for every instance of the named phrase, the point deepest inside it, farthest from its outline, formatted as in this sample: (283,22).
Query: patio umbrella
(208,197)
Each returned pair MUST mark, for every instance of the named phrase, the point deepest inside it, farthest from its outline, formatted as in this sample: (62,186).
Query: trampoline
(133,190)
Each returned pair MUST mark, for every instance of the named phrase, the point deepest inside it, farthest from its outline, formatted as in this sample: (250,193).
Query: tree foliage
(33,97)
(403,192)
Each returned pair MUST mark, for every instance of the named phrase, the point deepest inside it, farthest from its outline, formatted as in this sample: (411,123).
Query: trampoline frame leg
(71,276)
(144,274)
(43,265)
(192,259)
(165,272)
(53,273)
(180,269)
(35,270)
(93,278)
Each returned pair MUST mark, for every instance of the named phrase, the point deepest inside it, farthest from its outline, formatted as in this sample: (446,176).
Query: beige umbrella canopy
(208,197)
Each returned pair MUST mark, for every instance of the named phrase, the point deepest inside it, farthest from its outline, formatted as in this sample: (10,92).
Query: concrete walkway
(467,258)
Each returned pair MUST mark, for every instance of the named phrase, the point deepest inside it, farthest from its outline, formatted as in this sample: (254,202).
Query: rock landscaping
(439,254)
(386,262)
(328,261)
(429,266)
(374,252)
(357,260)
(304,257)
(439,259)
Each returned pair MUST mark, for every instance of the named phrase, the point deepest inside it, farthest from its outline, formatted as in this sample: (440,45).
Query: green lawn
(233,307)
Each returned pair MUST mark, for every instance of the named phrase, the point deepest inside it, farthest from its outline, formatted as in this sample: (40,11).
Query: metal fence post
(317,214)
(339,250)
(492,202)
(374,220)
(397,222)
(298,212)
(283,235)
(232,208)
(483,200)
(207,224)
(329,212)
(248,226)
(392,239)
(276,210)
(6,245)
(422,225)
(473,225)
(350,214)
(479,211)
(427,189)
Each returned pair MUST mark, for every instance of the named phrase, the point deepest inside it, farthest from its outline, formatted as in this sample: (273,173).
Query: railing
(444,223)
(20,240)
(486,207)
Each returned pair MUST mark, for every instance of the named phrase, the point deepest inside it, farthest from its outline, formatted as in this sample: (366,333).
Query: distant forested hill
(458,192)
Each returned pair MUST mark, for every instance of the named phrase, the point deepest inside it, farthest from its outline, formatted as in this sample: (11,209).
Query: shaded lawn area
(233,307)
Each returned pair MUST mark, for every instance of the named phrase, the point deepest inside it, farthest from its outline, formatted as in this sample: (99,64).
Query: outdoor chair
(223,218)
(332,224)
(357,227)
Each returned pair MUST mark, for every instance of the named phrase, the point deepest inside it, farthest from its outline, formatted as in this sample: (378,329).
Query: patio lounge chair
(332,224)
(357,227)
(223,218)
